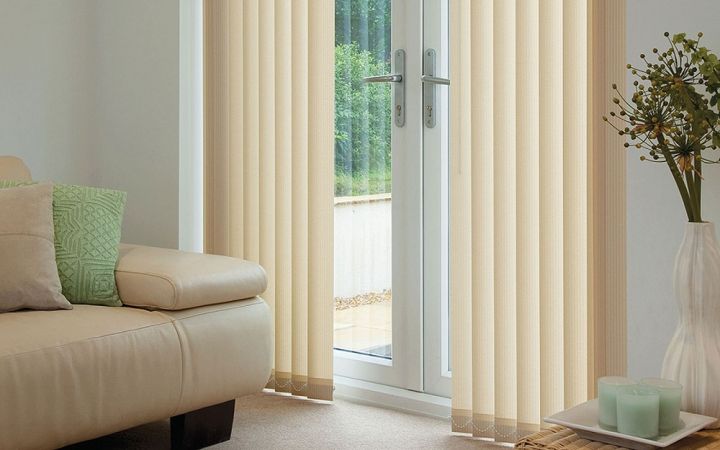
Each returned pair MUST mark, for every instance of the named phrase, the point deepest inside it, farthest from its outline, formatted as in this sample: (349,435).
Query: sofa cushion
(28,274)
(159,278)
(13,168)
(67,376)
(87,225)
(87,235)
(227,351)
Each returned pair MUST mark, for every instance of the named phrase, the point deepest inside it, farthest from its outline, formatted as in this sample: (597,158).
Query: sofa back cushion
(28,274)
(13,168)
(87,225)
(87,235)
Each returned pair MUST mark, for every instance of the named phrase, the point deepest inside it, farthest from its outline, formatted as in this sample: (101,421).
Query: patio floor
(365,328)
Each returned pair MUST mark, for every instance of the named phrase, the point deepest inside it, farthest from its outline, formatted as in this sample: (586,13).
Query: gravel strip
(368,298)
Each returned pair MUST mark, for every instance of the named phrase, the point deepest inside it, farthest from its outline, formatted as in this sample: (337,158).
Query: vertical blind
(269,77)
(533,208)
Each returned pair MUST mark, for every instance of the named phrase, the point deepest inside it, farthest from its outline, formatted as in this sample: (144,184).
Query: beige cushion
(227,351)
(158,278)
(13,168)
(74,375)
(69,376)
(28,273)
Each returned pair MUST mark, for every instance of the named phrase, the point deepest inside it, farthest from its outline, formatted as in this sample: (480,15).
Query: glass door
(378,192)
(390,193)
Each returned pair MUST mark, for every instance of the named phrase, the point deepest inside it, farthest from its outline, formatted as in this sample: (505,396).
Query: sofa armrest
(158,278)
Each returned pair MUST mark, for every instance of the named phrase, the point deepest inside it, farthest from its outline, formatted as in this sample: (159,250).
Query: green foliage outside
(362,124)
(362,111)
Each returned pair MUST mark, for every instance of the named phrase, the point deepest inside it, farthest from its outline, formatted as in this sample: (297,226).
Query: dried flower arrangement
(673,114)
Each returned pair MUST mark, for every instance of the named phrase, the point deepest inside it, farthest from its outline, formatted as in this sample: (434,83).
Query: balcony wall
(363,245)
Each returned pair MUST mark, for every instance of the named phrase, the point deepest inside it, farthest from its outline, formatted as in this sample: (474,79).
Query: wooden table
(561,438)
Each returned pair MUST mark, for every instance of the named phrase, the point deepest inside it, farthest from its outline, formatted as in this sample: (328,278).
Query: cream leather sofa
(193,336)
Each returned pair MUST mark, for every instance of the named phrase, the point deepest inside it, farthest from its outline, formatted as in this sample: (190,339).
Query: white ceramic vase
(693,356)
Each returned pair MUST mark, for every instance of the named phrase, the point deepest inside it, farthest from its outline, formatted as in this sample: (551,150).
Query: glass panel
(363,220)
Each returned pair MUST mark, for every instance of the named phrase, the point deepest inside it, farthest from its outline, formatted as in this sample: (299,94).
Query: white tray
(583,420)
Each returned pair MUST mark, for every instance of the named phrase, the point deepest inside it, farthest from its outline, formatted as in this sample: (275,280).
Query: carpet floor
(271,421)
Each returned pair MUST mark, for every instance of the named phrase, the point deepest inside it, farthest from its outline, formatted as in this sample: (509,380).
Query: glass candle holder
(670,397)
(607,399)
(638,411)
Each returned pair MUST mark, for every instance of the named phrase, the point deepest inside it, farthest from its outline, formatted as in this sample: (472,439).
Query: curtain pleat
(269,117)
(522,309)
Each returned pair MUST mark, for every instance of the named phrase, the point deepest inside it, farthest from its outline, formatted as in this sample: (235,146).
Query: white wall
(655,213)
(136,113)
(90,94)
(363,247)
(47,86)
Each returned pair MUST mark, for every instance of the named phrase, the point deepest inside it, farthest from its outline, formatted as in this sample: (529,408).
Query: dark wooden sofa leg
(202,427)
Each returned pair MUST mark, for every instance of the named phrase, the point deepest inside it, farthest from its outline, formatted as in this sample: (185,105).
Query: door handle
(435,80)
(397,77)
(394,78)
(429,82)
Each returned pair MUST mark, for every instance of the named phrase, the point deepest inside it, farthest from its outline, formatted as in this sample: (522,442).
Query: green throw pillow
(87,234)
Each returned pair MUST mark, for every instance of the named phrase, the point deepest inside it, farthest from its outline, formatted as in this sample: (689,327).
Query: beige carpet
(269,421)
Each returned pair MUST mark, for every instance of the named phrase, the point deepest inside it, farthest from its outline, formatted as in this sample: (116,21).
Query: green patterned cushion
(87,235)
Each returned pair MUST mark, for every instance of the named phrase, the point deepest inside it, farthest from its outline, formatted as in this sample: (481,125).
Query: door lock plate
(429,98)
(399,94)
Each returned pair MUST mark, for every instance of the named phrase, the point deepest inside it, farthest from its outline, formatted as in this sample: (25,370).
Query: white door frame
(405,370)
(437,379)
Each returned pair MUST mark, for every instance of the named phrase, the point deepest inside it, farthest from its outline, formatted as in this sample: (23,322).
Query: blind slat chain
(491,427)
(288,383)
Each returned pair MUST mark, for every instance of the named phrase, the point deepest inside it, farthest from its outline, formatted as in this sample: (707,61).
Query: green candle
(607,393)
(638,411)
(670,396)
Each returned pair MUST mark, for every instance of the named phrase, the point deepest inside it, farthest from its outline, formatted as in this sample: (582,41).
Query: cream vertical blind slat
(214,111)
(505,206)
(608,178)
(521,106)
(575,197)
(235,203)
(321,193)
(266,140)
(269,107)
(462,338)
(480,138)
(300,180)
(283,200)
(251,130)
(528,214)
(223,160)
(552,392)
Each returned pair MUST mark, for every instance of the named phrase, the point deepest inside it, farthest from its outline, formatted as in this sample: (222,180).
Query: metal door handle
(435,80)
(393,78)
(429,81)
(399,90)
